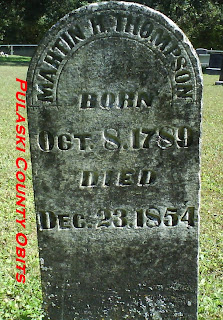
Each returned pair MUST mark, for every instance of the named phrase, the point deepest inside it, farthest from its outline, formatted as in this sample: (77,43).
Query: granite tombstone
(204,57)
(201,51)
(114,111)
(215,62)
(220,82)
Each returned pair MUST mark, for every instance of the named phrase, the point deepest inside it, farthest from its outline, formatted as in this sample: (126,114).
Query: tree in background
(201,20)
(26,21)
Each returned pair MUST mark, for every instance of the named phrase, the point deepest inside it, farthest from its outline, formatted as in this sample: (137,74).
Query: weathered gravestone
(220,82)
(201,51)
(204,57)
(114,107)
(215,62)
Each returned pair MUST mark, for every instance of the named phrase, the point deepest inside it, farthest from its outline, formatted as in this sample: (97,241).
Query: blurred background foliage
(26,21)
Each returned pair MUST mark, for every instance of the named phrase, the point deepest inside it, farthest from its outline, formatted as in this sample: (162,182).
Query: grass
(17,301)
(14,61)
(23,301)
(211,236)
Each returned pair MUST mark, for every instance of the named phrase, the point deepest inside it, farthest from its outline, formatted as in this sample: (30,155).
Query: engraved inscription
(139,28)
(119,218)
(165,217)
(55,55)
(112,218)
(47,142)
(123,178)
(144,138)
(121,100)
(182,78)
(113,140)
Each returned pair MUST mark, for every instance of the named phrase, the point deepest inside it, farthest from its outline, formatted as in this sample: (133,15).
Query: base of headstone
(219,83)
(213,71)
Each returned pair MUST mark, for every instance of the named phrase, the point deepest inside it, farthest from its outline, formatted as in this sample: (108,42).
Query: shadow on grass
(25,318)
(14,61)
(14,64)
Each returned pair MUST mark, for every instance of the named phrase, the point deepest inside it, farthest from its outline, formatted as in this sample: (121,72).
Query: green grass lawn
(23,301)
(211,235)
(14,61)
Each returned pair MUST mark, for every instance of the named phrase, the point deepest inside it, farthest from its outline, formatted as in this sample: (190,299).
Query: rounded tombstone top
(106,50)
(201,51)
